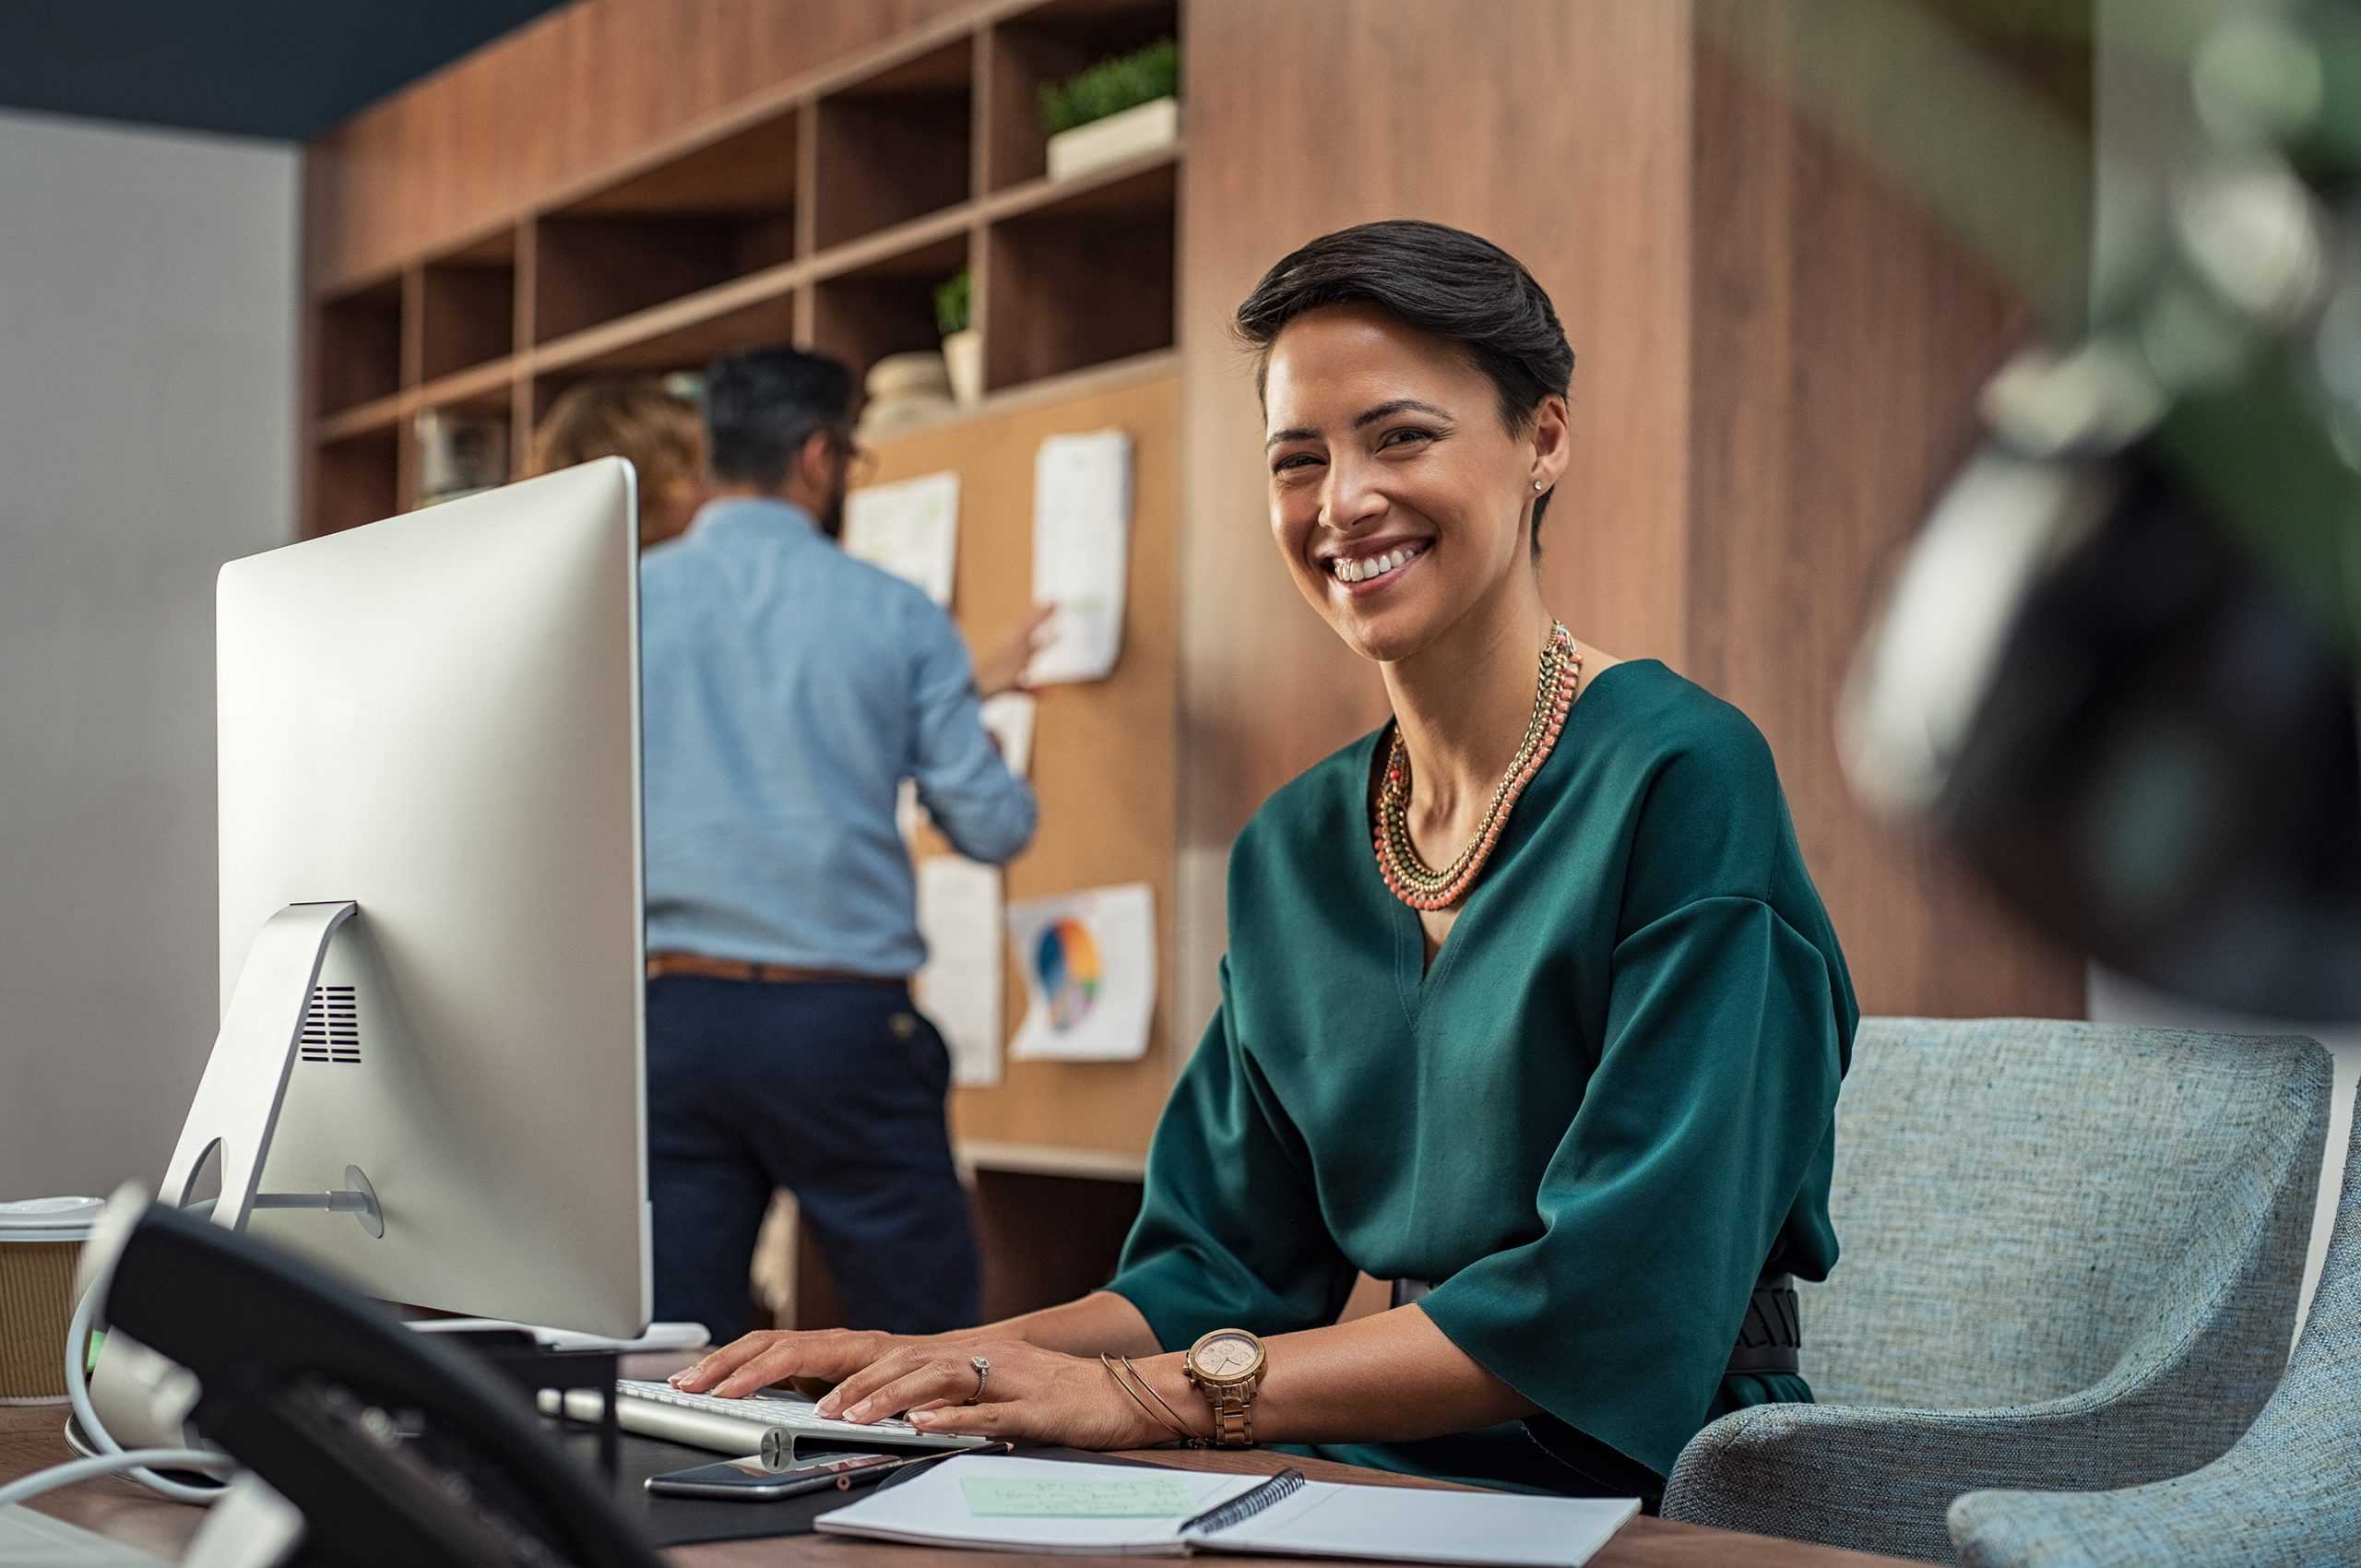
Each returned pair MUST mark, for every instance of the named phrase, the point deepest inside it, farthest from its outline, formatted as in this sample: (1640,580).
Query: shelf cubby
(706,218)
(357,347)
(1084,279)
(894,146)
(681,334)
(886,305)
(355,480)
(467,307)
(1046,45)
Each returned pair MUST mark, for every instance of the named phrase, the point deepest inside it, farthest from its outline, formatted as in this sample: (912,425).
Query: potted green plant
(1118,108)
(963,351)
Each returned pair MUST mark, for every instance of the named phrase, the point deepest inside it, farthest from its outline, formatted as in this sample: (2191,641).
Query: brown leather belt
(661,965)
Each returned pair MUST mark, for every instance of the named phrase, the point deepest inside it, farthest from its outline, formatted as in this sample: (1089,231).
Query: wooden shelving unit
(822,215)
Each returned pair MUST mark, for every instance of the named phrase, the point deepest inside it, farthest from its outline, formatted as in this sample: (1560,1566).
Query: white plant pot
(964,353)
(1142,128)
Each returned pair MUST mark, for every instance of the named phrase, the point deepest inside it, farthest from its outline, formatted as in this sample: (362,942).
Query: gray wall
(148,408)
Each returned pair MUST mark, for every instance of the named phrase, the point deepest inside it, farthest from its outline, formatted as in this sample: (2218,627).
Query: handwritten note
(1145,1497)
(910,528)
(1082,522)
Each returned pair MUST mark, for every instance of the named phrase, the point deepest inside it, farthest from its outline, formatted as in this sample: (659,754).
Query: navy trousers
(835,1092)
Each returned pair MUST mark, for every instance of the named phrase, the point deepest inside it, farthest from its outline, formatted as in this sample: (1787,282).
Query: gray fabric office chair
(2287,1494)
(2070,1258)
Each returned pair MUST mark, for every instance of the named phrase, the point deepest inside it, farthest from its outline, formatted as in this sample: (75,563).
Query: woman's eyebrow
(1398,406)
(1362,420)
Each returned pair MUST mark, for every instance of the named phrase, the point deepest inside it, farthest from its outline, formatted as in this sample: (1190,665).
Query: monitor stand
(237,1102)
(140,1397)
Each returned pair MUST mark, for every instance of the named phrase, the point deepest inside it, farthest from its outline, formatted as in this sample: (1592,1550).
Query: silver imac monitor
(432,961)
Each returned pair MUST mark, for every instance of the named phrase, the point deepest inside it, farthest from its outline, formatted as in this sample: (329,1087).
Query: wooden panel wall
(1557,129)
(1839,334)
(559,101)
(1775,353)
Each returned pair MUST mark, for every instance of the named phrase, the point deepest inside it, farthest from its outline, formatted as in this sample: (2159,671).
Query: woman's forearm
(1099,1324)
(1390,1377)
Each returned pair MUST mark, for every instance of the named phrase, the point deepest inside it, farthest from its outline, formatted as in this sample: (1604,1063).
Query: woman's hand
(811,1361)
(1031,1395)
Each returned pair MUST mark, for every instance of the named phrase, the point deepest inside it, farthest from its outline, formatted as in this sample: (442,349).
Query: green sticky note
(1016,1497)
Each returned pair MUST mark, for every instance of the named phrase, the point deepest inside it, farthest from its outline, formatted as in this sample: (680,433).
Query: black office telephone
(397,1451)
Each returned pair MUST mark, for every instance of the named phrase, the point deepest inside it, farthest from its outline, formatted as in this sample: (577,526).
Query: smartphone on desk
(751,1480)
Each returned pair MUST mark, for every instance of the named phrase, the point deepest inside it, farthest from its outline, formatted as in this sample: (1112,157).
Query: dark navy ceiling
(251,67)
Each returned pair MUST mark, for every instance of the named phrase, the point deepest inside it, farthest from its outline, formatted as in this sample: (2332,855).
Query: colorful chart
(1067,963)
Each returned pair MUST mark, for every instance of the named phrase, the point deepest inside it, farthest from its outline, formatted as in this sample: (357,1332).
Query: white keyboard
(771,1423)
(768,1406)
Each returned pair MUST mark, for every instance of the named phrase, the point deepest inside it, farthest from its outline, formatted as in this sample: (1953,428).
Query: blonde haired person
(661,431)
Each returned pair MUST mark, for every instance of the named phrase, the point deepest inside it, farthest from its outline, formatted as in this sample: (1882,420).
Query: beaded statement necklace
(1412,880)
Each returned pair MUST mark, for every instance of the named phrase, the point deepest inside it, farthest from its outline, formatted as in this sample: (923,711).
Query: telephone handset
(396,1450)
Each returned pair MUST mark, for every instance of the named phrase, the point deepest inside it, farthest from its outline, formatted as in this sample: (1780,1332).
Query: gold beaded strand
(1411,879)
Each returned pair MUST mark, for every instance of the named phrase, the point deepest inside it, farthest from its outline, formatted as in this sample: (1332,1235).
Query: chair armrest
(1880,1478)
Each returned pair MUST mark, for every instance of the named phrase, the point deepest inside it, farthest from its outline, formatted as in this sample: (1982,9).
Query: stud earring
(1537,487)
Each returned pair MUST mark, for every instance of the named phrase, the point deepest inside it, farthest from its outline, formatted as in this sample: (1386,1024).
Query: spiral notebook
(1050,1505)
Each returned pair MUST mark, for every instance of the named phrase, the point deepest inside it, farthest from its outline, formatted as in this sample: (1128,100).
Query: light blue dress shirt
(786,690)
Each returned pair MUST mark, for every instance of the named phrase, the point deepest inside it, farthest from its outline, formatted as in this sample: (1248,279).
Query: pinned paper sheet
(1089,965)
(910,529)
(909,813)
(959,985)
(1082,525)
(1009,718)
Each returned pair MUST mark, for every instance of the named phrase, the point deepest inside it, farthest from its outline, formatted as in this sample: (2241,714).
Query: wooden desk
(31,1439)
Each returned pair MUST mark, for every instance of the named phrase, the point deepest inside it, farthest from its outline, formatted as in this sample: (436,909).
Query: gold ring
(983,1370)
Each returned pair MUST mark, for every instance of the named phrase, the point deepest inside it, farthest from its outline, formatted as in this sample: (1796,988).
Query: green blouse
(1606,1109)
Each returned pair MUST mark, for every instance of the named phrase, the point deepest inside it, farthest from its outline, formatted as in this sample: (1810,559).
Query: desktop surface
(31,1438)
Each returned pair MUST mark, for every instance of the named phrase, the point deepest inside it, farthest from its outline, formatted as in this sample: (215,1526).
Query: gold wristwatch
(1227,1368)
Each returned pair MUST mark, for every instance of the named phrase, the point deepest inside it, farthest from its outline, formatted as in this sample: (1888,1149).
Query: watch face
(1227,1356)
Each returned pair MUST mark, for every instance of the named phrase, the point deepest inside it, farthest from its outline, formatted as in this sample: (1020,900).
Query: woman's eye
(1404,437)
(1294,460)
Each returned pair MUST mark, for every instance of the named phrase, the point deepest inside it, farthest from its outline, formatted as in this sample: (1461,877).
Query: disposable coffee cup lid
(49,1219)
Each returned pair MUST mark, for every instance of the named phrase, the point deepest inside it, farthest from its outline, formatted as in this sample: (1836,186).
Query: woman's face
(1398,499)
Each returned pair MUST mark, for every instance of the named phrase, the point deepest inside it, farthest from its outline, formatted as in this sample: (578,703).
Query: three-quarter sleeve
(1229,1232)
(986,811)
(1710,1112)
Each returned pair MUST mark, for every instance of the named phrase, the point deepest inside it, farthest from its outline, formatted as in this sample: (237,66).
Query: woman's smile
(1374,568)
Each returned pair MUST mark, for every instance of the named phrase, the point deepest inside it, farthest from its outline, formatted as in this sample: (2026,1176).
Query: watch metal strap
(1233,1422)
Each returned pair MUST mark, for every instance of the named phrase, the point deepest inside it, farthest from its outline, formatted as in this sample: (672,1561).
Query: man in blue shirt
(787,690)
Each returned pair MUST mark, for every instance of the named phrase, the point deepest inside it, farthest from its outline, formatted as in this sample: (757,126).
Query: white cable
(77,1390)
(107,1463)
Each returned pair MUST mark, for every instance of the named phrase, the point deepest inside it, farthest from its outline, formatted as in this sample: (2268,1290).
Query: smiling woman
(1531,1007)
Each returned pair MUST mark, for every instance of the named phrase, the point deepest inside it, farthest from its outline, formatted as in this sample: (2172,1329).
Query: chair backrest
(2010,1195)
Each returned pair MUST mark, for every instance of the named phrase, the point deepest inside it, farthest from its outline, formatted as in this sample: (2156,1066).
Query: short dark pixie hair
(763,405)
(1444,281)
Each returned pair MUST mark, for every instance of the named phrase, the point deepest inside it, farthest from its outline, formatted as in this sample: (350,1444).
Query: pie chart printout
(1066,961)
(1089,959)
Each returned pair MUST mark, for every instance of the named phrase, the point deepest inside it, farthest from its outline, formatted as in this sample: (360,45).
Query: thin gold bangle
(1151,1414)
(1152,1394)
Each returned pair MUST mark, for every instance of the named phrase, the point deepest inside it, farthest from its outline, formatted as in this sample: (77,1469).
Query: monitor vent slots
(332,1026)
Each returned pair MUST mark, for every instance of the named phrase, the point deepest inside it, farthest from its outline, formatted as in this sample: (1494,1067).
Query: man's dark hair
(763,405)
(1443,282)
